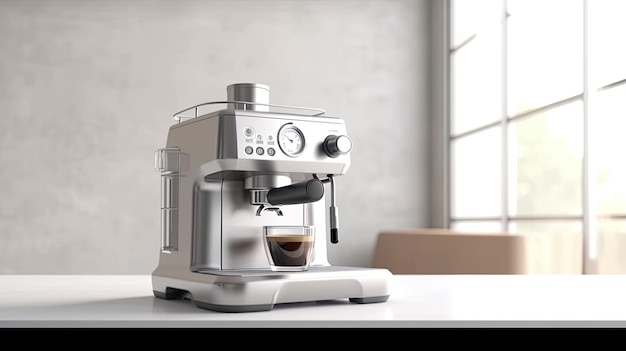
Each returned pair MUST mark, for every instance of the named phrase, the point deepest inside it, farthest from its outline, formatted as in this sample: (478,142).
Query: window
(537,125)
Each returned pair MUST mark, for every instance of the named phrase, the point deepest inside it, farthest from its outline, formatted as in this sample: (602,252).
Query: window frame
(443,138)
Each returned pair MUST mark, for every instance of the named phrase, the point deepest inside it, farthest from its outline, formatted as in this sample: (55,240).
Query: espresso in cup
(289,248)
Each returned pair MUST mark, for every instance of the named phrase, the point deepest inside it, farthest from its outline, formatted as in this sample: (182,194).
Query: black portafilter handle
(297,193)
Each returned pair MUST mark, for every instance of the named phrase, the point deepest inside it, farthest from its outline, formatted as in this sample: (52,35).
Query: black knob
(336,145)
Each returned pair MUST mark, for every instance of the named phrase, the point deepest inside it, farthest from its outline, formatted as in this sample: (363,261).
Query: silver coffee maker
(228,173)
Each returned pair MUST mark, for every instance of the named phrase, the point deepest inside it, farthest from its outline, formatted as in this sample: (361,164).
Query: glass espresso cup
(289,248)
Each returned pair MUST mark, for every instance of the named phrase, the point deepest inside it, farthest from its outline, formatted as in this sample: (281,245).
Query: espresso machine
(228,173)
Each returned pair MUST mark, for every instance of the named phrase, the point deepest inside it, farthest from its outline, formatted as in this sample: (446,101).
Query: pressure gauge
(291,140)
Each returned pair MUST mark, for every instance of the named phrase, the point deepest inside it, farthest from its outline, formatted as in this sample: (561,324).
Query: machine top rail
(178,116)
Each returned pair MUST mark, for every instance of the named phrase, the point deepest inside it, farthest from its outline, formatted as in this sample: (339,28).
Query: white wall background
(87,90)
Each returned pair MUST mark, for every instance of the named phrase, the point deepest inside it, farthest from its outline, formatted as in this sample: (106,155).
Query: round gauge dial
(291,140)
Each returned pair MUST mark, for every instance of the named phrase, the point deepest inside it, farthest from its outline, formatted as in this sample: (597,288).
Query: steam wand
(333,215)
(334,227)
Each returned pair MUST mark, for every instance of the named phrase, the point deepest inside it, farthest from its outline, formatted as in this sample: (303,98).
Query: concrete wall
(87,90)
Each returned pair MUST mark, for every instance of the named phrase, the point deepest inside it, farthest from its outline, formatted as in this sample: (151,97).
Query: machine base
(261,290)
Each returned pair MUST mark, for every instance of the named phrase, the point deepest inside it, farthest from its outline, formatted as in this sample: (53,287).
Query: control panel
(285,139)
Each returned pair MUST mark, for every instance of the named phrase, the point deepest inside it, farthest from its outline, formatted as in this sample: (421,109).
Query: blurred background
(502,116)
(88,90)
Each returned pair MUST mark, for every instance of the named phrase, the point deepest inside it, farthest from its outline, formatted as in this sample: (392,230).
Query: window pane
(545,162)
(477,226)
(607,52)
(475,174)
(545,52)
(607,123)
(553,247)
(471,17)
(611,245)
(476,90)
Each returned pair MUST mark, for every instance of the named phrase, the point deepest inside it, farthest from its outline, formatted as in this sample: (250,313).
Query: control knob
(336,145)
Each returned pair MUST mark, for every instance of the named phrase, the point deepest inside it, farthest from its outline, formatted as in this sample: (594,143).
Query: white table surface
(124,301)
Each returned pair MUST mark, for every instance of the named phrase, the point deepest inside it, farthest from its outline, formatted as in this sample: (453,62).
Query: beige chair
(445,251)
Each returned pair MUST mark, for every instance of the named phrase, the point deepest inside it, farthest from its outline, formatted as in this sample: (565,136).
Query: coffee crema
(290,250)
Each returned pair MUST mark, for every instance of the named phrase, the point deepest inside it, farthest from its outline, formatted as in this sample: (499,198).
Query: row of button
(249,133)
(260,151)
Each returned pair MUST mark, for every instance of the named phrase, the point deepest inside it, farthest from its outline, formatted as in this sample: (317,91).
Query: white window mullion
(590,238)
(504,124)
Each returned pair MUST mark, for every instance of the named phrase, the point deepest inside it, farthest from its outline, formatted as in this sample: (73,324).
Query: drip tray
(313,270)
